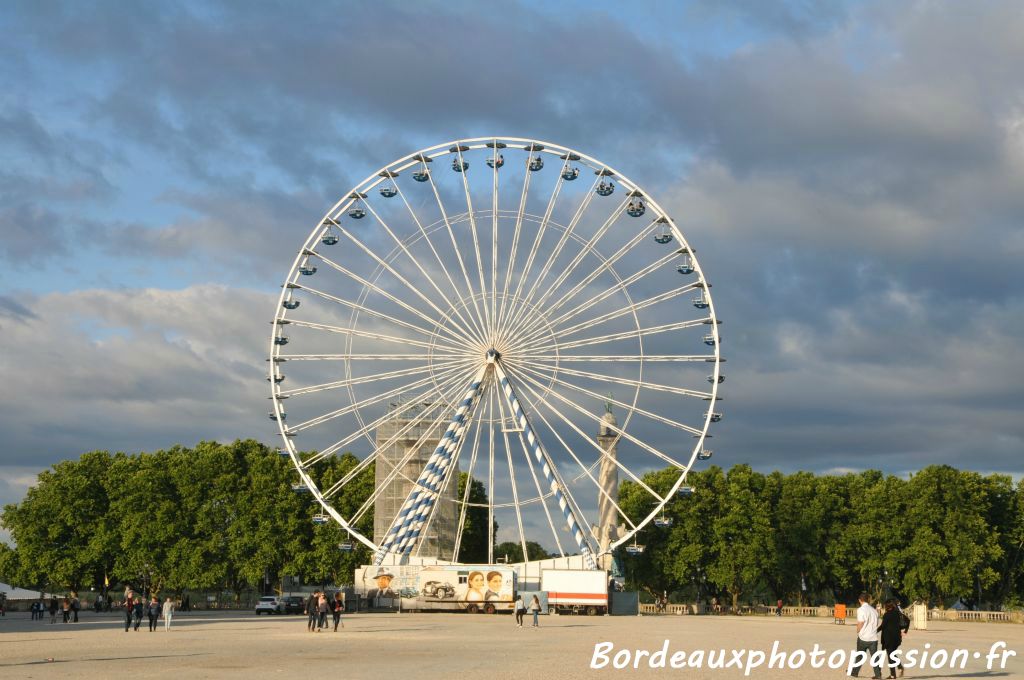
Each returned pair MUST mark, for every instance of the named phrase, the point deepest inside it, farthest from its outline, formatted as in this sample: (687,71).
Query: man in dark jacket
(311,611)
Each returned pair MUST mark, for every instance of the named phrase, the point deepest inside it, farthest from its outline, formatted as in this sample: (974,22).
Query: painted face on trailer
(476,580)
(495,583)
(383,582)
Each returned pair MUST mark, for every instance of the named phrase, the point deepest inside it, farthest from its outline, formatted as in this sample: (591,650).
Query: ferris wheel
(504,308)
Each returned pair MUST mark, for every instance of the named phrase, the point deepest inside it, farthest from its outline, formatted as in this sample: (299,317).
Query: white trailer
(576,591)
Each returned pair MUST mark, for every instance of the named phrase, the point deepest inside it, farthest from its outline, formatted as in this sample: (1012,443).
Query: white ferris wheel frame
(456,374)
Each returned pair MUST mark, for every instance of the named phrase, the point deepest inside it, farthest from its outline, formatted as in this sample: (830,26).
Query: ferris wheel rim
(393,169)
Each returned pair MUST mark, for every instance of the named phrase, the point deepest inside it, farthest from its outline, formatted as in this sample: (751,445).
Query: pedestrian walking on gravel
(168,612)
(129,609)
(337,607)
(322,608)
(311,610)
(867,635)
(153,611)
(53,609)
(535,610)
(137,609)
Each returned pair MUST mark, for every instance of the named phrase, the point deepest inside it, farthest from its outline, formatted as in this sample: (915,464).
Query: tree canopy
(224,516)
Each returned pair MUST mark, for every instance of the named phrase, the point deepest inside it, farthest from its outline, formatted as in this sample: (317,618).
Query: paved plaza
(413,646)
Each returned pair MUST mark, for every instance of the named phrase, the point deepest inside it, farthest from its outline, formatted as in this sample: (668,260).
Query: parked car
(268,604)
(294,604)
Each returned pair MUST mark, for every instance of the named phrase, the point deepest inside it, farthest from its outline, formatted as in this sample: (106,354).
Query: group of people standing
(890,628)
(317,607)
(136,607)
(68,607)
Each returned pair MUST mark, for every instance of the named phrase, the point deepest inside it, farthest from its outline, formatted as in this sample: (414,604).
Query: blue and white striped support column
(405,529)
(549,475)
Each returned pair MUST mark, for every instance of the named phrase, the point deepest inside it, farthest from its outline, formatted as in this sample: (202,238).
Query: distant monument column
(607,515)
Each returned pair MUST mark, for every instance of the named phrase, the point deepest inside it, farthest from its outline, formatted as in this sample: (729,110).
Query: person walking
(520,610)
(65,608)
(778,607)
(322,608)
(535,610)
(53,609)
(153,611)
(76,604)
(129,609)
(311,610)
(337,607)
(892,629)
(168,612)
(867,635)
(137,609)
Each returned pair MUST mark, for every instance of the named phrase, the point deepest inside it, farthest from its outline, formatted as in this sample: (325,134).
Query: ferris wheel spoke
(364,310)
(541,496)
(476,249)
(401,245)
(515,244)
(617,380)
(628,281)
(533,317)
(581,255)
(515,490)
(556,251)
(405,529)
(319,420)
(541,399)
(391,270)
(458,255)
(586,470)
(381,291)
(465,492)
(337,486)
(624,310)
(619,358)
(354,332)
(362,357)
(535,246)
(630,408)
(631,308)
(440,262)
(620,286)
(624,335)
(494,237)
(387,375)
(445,384)
(525,372)
(571,512)
(605,265)
(450,392)
(490,486)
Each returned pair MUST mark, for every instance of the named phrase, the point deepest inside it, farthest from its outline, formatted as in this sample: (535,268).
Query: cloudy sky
(852,174)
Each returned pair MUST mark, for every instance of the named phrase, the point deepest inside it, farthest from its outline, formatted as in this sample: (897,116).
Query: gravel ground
(414,646)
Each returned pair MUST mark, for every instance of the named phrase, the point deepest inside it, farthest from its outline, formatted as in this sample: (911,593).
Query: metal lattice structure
(502,324)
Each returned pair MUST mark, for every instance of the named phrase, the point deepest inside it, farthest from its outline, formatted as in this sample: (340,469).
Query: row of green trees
(224,516)
(940,535)
(216,516)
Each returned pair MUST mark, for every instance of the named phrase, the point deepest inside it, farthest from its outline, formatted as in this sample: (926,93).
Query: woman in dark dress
(892,630)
